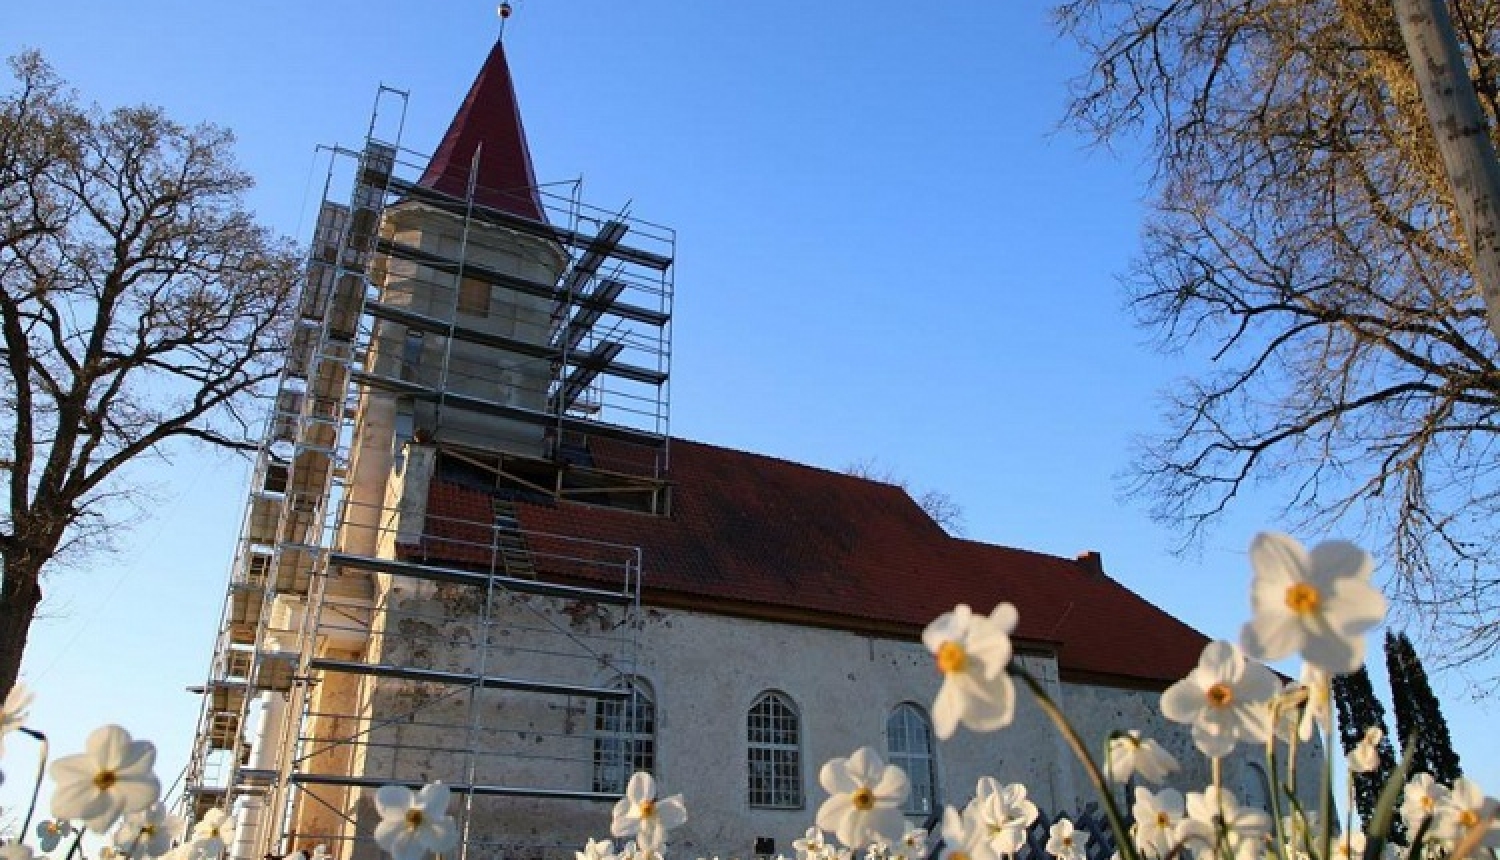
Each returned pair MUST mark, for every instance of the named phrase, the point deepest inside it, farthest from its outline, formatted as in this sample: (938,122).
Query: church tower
(460,326)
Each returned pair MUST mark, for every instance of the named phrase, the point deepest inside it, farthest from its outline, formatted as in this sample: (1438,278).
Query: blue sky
(886,249)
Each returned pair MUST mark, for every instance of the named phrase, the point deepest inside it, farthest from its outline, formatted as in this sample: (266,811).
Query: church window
(908,735)
(624,738)
(775,753)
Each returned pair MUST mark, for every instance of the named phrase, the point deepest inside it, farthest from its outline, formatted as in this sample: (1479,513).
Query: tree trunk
(1462,137)
(18,602)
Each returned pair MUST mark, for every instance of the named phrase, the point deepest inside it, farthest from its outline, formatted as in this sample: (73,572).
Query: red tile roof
(757,536)
(491,118)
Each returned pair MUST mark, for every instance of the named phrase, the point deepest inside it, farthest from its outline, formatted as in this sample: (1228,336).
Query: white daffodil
(1225,699)
(913,843)
(16,850)
(1319,603)
(1365,757)
(1465,810)
(972,652)
(1002,814)
(148,833)
(1157,817)
(1349,845)
(1316,714)
(49,833)
(865,798)
(212,834)
(15,711)
(1421,798)
(596,849)
(1215,818)
(812,846)
(412,823)
(1128,753)
(641,815)
(963,837)
(111,778)
(1065,843)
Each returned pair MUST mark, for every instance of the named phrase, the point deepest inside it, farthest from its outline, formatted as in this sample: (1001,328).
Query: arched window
(908,735)
(775,753)
(624,737)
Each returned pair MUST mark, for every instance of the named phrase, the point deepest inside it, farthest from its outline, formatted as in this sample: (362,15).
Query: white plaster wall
(705,671)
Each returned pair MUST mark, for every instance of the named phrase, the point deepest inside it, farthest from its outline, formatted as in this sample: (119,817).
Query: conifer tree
(1358,710)
(1418,714)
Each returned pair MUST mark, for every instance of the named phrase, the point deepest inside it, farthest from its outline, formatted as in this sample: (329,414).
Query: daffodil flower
(1465,810)
(1157,817)
(16,851)
(865,798)
(595,849)
(963,837)
(1003,814)
(1421,798)
(1365,757)
(1215,818)
(972,652)
(1129,753)
(640,814)
(1065,843)
(148,833)
(812,846)
(1225,700)
(413,823)
(1319,603)
(14,712)
(111,778)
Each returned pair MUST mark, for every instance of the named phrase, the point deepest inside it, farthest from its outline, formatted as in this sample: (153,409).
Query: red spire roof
(489,117)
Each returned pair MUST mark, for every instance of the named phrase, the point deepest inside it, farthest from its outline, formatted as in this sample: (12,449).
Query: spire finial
(504,12)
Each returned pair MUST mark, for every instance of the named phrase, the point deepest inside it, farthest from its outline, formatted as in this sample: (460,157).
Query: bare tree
(140,303)
(1303,239)
(935,503)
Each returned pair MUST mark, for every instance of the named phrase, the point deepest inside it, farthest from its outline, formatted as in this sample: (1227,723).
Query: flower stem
(77,841)
(1122,835)
(41,772)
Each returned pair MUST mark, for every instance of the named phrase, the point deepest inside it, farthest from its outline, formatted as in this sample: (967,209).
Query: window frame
(624,737)
(913,716)
(769,752)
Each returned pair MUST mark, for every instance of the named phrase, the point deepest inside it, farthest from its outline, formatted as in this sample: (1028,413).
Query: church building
(474,553)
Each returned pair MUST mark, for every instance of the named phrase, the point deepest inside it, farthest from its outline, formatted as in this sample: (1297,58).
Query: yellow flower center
(951,657)
(1163,820)
(1468,819)
(958,855)
(648,808)
(414,818)
(1219,695)
(1067,842)
(104,780)
(1426,803)
(1303,599)
(863,799)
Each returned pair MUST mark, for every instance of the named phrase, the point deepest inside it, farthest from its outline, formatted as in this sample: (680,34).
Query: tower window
(474,297)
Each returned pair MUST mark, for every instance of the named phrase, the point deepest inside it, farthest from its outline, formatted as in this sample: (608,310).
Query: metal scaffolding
(389,617)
